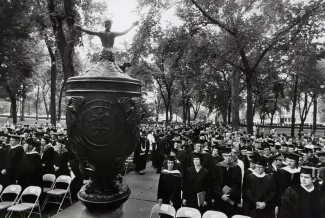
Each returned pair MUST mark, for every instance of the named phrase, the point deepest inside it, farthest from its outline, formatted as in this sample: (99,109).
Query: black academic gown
(140,156)
(169,188)
(260,189)
(14,163)
(196,182)
(280,178)
(291,178)
(298,203)
(32,170)
(61,161)
(207,162)
(48,161)
(231,176)
(3,160)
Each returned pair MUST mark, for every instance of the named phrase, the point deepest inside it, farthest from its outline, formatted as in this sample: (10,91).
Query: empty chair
(59,192)
(48,182)
(214,214)
(163,209)
(188,212)
(23,206)
(240,216)
(13,190)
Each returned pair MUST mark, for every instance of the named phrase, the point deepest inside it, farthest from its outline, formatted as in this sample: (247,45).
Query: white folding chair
(27,207)
(163,209)
(50,179)
(128,164)
(240,216)
(214,214)
(11,189)
(188,212)
(1,187)
(58,192)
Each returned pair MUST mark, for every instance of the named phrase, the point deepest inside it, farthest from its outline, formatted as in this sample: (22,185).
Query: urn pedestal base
(104,201)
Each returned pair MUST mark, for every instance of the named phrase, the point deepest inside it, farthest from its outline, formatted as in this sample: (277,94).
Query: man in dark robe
(141,154)
(14,159)
(260,192)
(303,200)
(4,148)
(196,180)
(227,183)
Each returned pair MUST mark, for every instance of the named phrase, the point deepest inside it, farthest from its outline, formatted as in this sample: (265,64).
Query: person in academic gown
(215,155)
(32,166)
(14,160)
(141,154)
(169,185)
(61,158)
(47,155)
(206,158)
(260,192)
(279,175)
(4,149)
(227,174)
(196,180)
(303,200)
(292,171)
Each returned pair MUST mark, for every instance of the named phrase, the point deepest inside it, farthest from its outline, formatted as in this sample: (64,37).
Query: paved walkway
(143,197)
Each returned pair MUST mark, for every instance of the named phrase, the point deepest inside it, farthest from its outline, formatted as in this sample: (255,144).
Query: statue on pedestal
(103,124)
(107,38)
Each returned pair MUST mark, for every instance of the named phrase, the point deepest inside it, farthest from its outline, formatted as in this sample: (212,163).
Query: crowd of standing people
(258,175)
(27,152)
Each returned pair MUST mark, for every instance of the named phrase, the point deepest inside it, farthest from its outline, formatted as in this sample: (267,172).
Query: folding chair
(240,216)
(1,187)
(214,214)
(24,206)
(128,164)
(188,212)
(58,192)
(49,179)
(11,189)
(163,209)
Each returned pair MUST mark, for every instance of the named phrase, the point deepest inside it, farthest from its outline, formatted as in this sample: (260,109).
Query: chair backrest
(32,190)
(214,214)
(64,179)
(49,178)
(188,212)
(12,189)
(240,216)
(1,187)
(163,209)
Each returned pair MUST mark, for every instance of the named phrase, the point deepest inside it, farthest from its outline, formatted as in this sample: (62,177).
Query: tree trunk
(29,110)
(229,112)
(14,108)
(53,83)
(188,111)
(315,114)
(249,84)
(224,116)
(22,115)
(60,101)
(294,105)
(45,103)
(37,102)
(273,111)
(235,99)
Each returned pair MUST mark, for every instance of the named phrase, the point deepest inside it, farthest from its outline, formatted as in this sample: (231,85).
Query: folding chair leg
(70,198)
(39,210)
(45,202)
(61,203)
(9,213)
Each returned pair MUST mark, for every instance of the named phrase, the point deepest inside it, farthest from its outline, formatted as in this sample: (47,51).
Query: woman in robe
(47,154)
(169,186)
(61,158)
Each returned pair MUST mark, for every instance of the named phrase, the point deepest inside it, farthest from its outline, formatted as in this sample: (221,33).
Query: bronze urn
(103,128)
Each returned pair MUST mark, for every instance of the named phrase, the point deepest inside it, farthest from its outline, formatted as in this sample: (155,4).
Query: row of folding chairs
(52,191)
(188,212)
(18,205)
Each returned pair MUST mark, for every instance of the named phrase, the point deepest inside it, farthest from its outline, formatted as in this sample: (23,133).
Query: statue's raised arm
(107,37)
